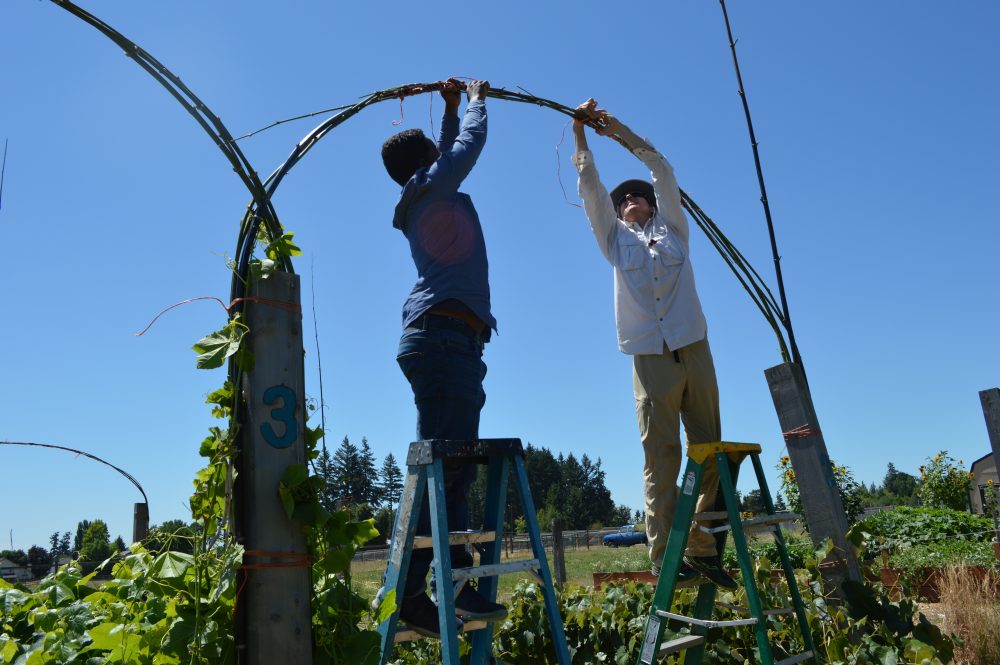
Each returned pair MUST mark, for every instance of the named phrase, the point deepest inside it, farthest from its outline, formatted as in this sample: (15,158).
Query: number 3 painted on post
(283,414)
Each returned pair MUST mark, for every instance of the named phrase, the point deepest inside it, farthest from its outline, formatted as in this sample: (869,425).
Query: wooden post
(277,592)
(140,522)
(821,503)
(558,553)
(991,411)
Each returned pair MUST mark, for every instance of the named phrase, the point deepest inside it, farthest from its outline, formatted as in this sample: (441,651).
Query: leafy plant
(905,527)
(943,484)
(851,493)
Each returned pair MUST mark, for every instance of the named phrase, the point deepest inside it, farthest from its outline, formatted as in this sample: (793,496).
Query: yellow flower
(921,469)
(989,482)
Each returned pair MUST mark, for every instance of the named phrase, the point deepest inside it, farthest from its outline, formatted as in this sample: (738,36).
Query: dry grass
(971,608)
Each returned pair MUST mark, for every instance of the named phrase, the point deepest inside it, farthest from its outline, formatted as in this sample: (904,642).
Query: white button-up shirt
(655,297)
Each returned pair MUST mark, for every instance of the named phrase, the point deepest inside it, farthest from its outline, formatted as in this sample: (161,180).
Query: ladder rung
(805,655)
(707,623)
(777,518)
(492,570)
(412,635)
(681,643)
(743,610)
(456,538)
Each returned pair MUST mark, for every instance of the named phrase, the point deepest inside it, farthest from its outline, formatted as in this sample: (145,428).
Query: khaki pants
(668,391)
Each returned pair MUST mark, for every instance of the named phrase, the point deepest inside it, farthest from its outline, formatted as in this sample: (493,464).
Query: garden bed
(925,584)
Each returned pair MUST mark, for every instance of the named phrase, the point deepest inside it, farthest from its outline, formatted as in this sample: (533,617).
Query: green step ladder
(425,475)
(728,457)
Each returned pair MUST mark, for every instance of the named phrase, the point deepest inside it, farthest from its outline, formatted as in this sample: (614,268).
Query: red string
(272,302)
(292,560)
(801,432)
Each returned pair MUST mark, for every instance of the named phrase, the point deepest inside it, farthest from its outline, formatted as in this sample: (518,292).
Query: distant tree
(325,470)
(639,516)
(899,483)
(623,515)
(390,482)
(347,474)
(81,528)
(39,560)
(96,542)
(64,543)
(172,535)
(120,544)
(779,504)
(753,502)
(367,487)
(19,557)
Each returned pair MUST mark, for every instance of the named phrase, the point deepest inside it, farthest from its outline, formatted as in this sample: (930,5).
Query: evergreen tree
(367,488)
(96,542)
(753,502)
(81,528)
(390,482)
(64,543)
(779,504)
(325,470)
(346,474)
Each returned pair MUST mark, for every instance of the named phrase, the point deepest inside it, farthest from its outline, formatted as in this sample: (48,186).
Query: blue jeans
(445,370)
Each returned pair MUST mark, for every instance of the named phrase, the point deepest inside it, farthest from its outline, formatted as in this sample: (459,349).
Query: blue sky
(878,133)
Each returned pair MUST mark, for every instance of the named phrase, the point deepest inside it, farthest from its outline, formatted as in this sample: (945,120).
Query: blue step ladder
(425,474)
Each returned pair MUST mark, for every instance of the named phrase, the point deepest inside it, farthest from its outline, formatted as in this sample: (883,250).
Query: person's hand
(609,125)
(451,92)
(477,90)
(585,112)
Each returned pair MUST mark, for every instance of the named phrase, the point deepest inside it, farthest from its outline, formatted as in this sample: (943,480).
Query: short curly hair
(404,153)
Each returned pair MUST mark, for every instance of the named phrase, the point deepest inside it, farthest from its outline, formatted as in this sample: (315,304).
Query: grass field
(366,578)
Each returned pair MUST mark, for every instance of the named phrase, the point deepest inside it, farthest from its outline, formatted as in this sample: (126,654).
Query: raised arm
(596,201)
(451,92)
(458,158)
(668,195)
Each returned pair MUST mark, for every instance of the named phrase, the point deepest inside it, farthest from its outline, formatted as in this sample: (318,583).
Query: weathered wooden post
(558,553)
(277,592)
(821,503)
(140,522)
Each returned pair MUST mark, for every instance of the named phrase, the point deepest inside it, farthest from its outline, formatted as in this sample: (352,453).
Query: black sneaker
(711,567)
(421,616)
(470,604)
(685,573)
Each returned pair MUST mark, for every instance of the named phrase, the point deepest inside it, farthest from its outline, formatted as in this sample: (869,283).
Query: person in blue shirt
(446,321)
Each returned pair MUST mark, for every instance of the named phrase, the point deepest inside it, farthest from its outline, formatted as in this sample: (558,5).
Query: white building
(13,573)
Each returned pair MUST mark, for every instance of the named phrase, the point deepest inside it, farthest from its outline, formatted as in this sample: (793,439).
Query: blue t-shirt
(442,226)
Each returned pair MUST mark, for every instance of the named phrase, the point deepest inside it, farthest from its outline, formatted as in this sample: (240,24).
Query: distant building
(12,572)
(983,470)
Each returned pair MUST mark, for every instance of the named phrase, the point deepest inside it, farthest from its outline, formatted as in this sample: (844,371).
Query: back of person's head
(404,153)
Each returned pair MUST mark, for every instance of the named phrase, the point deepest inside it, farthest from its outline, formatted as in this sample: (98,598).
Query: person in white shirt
(641,230)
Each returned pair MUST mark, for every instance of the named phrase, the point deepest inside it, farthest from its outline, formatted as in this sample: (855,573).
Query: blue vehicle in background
(627,536)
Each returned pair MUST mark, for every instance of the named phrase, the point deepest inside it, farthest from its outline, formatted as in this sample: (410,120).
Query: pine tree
(368,488)
(346,474)
(390,482)
(325,470)
(81,528)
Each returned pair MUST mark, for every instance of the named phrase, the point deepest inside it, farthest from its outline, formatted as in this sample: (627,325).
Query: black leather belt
(442,322)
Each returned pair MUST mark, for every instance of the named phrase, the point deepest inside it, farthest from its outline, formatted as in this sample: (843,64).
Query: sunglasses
(634,195)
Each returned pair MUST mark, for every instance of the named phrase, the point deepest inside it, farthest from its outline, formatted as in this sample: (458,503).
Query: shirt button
(661,318)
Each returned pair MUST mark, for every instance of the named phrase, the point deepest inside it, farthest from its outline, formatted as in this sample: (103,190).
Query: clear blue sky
(878,132)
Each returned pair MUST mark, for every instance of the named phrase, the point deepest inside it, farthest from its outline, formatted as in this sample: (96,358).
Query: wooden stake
(821,503)
(277,593)
(991,411)
(558,553)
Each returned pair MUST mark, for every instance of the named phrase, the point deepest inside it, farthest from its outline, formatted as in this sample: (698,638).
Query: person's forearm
(632,140)
(580,137)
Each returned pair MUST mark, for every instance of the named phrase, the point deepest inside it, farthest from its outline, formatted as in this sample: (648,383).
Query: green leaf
(106,636)
(214,349)
(282,246)
(386,608)
(171,565)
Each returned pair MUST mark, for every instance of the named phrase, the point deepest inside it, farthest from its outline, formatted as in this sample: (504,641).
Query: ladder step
(777,518)
(707,623)
(769,613)
(413,636)
(805,655)
(463,574)
(456,538)
(681,643)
